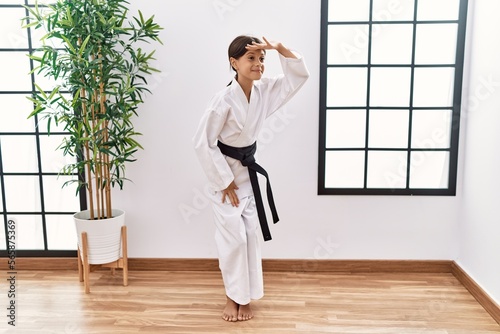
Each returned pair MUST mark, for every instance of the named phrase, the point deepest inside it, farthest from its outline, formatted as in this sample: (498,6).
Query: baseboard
(357,266)
(283,265)
(173,264)
(41,263)
(476,291)
(165,264)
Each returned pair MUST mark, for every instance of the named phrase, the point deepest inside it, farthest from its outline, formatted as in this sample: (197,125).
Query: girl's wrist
(280,47)
(284,51)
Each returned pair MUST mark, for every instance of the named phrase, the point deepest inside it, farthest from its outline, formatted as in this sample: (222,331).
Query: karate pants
(238,245)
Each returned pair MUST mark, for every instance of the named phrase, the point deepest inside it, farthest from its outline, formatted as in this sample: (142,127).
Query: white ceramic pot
(104,236)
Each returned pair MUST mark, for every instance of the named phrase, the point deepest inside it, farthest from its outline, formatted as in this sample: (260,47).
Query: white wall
(479,223)
(168,215)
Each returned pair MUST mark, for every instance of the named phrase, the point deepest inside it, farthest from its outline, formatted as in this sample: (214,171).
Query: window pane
(388,128)
(12,145)
(37,34)
(345,128)
(392,44)
(59,198)
(344,169)
(431,129)
(14,112)
(386,169)
(23,193)
(348,44)
(346,87)
(13,36)
(433,87)
(15,76)
(348,10)
(52,157)
(61,232)
(429,169)
(42,122)
(2,233)
(45,82)
(390,10)
(390,87)
(1,203)
(436,43)
(42,126)
(438,10)
(41,2)
(29,232)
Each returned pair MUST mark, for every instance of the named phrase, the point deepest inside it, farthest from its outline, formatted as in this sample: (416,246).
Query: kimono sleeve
(209,155)
(283,87)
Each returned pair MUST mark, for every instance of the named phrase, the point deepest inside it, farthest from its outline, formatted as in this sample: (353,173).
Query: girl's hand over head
(266,45)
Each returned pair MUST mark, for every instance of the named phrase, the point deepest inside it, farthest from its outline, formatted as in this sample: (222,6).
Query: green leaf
(68,43)
(101,18)
(83,46)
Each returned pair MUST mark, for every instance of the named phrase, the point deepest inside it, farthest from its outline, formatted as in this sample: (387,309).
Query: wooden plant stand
(84,268)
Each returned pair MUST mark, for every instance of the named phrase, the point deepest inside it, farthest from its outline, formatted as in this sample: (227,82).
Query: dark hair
(237,48)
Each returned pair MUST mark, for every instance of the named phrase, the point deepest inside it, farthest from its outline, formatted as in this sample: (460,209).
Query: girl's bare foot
(245,312)
(230,312)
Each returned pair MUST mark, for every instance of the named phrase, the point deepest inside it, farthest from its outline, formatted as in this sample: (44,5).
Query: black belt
(246,156)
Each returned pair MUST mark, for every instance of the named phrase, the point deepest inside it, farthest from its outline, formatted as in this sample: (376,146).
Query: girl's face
(250,66)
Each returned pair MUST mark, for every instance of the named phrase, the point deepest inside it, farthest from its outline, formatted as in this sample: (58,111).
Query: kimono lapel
(241,104)
(250,118)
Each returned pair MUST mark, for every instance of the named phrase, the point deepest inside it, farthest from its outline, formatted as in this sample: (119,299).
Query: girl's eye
(262,59)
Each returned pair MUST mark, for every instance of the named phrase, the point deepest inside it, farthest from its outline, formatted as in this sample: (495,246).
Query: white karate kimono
(237,122)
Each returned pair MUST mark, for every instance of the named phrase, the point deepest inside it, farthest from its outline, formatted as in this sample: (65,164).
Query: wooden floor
(191,302)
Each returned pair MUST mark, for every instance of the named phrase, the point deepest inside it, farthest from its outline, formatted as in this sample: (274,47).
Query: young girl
(231,124)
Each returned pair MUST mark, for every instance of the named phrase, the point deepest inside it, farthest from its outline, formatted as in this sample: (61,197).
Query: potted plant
(92,50)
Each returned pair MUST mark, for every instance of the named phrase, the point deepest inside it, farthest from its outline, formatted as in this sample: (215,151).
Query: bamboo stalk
(107,171)
(93,98)
(90,189)
(87,153)
(97,168)
(102,170)
(107,177)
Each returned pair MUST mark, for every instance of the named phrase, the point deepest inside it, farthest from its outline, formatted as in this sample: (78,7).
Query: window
(390,83)
(31,193)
